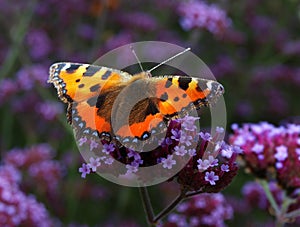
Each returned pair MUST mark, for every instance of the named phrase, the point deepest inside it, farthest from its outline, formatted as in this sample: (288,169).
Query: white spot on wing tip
(67,65)
(209,85)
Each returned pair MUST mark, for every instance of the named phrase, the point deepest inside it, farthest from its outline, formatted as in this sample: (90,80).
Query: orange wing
(131,108)
(79,85)
(145,105)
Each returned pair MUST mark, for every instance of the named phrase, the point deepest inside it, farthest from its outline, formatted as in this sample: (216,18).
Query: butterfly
(113,104)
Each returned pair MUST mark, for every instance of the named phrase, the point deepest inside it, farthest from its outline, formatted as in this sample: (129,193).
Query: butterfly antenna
(169,59)
(136,57)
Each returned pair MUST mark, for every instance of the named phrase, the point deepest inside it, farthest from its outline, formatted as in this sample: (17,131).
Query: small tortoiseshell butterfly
(99,97)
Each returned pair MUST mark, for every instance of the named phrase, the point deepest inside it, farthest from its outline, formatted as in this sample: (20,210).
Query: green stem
(147,205)
(193,193)
(172,205)
(270,197)
(293,214)
(18,35)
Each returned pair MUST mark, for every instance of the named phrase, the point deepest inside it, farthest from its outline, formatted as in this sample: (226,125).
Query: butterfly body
(128,107)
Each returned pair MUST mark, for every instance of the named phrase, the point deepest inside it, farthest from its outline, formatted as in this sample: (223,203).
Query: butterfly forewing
(115,103)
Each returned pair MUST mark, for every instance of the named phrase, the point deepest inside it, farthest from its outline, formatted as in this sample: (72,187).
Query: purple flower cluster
(198,14)
(17,208)
(177,143)
(42,170)
(209,210)
(255,195)
(271,152)
(211,165)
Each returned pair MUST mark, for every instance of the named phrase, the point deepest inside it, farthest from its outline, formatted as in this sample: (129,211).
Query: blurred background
(252,47)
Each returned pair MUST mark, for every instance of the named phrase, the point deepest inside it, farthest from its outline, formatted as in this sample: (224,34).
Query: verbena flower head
(255,195)
(271,152)
(210,165)
(37,161)
(16,208)
(202,210)
(196,14)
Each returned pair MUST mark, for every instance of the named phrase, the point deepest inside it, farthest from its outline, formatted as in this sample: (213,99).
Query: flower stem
(172,205)
(193,193)
(147,205)
(293,214)
(17,38)
(280,212)
(270,197)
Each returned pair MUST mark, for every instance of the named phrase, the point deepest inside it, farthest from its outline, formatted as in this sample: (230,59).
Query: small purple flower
(213,161)
(219,130)
(132,168)
(109,161)
(138,162)
(297,150)
(108,148)
(205,136)
(168,162)
(180,151)
(94,163)
(192,152)
(134,154)
(175,134)
(166,142)
(278,165)
(225,168)
(203,164)
(258,148)
(93,145)
(186,139)
(281,153)
(211,177)
(84,170)
(82,141)
(188,123)
(227,152)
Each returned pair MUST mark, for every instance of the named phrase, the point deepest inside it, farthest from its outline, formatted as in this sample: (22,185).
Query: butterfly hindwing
(146,103)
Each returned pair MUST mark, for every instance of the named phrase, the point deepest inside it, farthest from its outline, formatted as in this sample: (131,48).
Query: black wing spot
(106,75)
(176,99)
(72,68)
(164,96)
(184,82)
(77,81)
(80,85)
(201,87)
(92,101)
(184,95)
(169,82)
(94,88)
(91,70)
